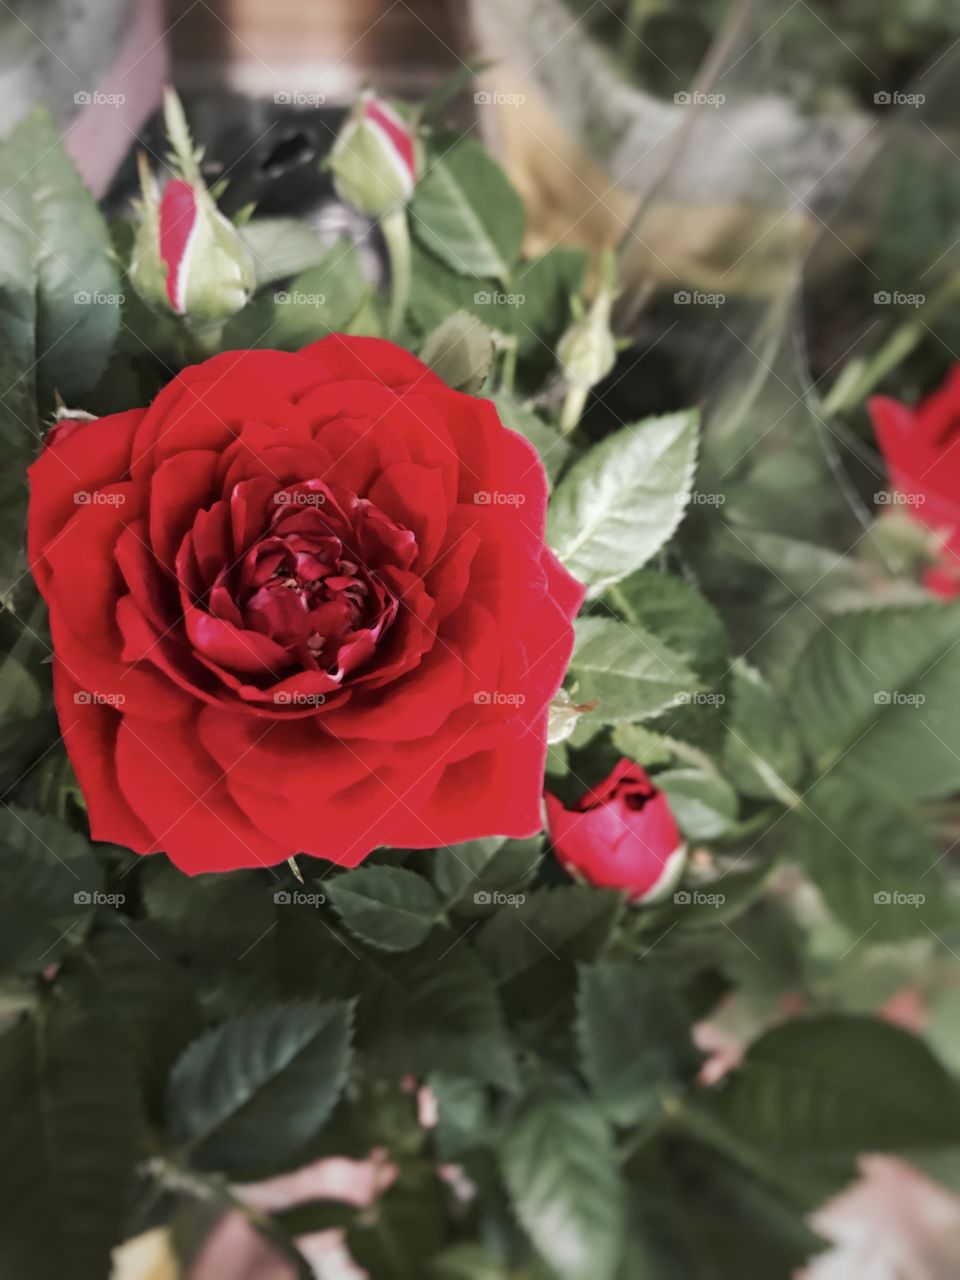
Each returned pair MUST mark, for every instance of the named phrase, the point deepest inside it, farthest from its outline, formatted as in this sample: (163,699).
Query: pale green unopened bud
(588,350)
(187,257)
(563,716)
(374,160)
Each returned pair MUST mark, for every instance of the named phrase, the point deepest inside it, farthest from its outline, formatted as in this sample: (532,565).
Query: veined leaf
(627,670)
(460,351)
(388,907)
(634,1040)
(622,502)
(559,1167)
(466,212)
(49,880)
(281,247)
(837,1085)
(877,695)
(60,281)
(69,1145)
(246,1097)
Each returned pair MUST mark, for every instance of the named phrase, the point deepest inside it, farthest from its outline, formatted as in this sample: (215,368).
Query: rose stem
(396,233)
(861,376)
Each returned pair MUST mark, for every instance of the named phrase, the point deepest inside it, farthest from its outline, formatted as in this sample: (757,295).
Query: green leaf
(442,1013)
(465,872)
(388,907)
(559,1167)
(745,1227)
(70,1143)
(321,300)
(646,746)
(877,694)
(678,615)
(26,722)
(571,922)
(627,670)
(763,756)
(466,213)
(708,903)
(835,1086)
(533,310)
(402,1230)
(533,947)
(622,502)
(634,1040)
(59,281)
(546,285)
(704,805)
(150,1001)
(281,247)
(463,1119)
(468,1262)
(460,351)
(877,867)
(676,612)
(215,918)
(49,883)
(245,1097)
(432,1009)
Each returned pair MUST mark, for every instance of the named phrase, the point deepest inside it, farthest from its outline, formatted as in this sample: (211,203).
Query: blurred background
(781,182)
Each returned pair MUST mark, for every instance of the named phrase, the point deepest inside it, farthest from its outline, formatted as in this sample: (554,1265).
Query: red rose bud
(187,257)
(620,835)
(920,448)
(374,160)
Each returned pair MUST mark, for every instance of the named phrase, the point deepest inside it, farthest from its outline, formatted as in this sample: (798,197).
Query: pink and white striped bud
(187,257)
(374,159)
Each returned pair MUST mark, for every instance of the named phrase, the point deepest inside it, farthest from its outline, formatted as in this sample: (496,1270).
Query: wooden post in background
(261,47)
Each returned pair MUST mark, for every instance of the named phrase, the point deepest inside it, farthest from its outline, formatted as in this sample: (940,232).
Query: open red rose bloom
(301,604)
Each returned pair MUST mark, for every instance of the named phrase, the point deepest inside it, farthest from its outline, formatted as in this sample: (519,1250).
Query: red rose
(921,448)
(287,618)
(621,835)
